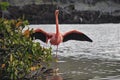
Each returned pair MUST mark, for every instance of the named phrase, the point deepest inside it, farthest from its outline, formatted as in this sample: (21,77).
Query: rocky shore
(44,14)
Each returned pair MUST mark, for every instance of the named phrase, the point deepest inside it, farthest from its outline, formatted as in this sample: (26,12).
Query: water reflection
(57,77)
(87,69)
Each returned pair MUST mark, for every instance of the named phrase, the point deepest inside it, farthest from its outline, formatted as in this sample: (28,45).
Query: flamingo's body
(57,38)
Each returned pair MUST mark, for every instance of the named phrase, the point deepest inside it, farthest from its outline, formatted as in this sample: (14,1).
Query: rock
(44,14)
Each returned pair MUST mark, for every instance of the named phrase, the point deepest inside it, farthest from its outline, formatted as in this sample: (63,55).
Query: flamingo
(58,37)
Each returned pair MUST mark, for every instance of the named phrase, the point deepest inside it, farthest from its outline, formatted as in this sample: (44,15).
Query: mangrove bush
(18,53)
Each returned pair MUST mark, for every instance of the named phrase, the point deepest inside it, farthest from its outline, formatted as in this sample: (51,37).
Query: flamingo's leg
(56,60)
(56,54)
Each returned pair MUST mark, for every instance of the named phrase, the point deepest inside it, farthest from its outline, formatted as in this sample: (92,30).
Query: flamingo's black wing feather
(76,35)
(39,35)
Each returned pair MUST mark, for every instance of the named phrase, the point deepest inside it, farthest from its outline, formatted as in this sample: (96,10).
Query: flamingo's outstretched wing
(40,34)
(75,35)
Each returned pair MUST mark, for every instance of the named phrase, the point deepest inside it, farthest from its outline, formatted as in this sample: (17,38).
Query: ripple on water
(99,60)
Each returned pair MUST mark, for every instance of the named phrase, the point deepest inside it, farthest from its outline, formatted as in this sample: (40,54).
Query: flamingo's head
(56,12)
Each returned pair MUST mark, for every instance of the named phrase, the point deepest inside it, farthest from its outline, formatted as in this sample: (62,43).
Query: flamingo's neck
(57,24)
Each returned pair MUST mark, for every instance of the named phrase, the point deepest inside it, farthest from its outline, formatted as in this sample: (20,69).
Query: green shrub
(18,53)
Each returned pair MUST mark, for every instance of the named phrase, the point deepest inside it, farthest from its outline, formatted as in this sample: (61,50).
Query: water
(99,60)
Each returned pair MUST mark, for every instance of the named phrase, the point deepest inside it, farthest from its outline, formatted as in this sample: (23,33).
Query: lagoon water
(99,60)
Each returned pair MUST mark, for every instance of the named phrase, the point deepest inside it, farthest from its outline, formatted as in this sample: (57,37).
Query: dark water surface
(99,60)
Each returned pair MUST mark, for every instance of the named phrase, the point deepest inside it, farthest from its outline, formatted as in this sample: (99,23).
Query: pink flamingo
(58,37)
